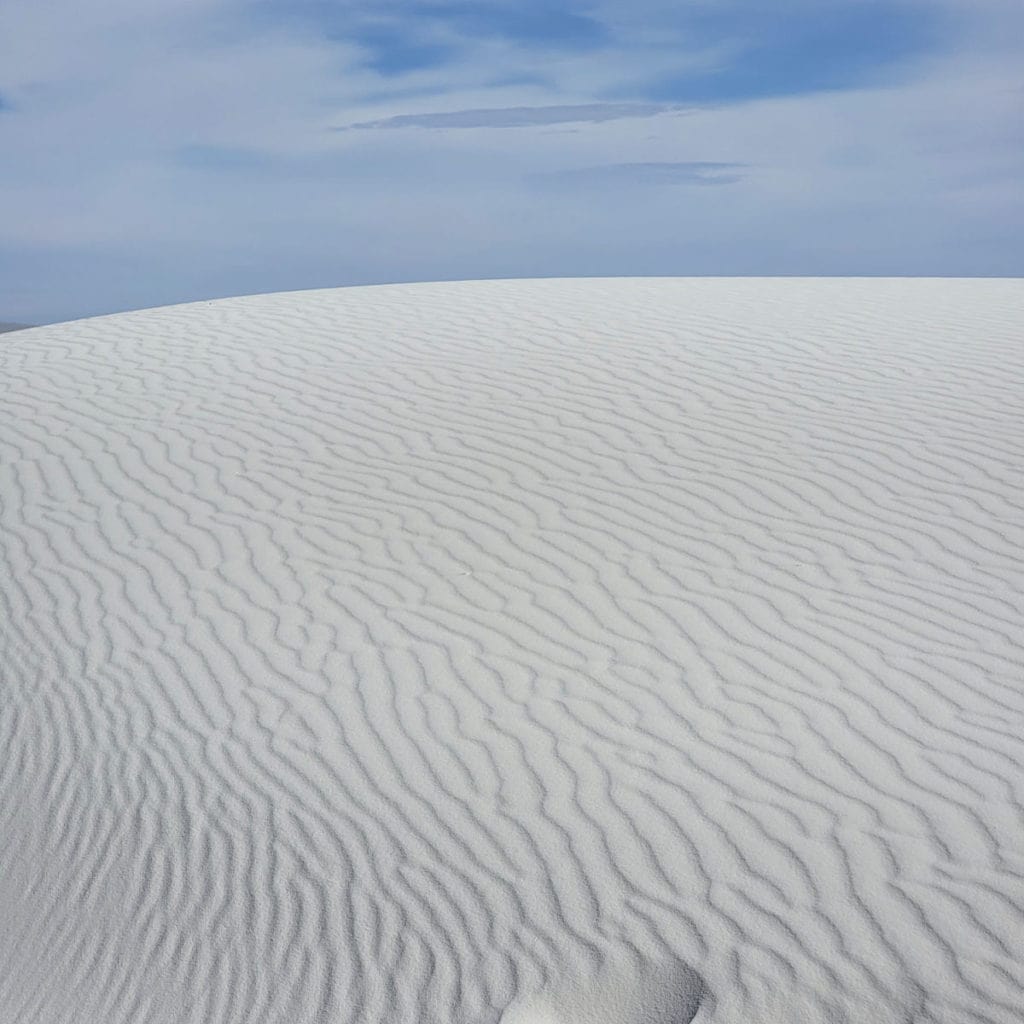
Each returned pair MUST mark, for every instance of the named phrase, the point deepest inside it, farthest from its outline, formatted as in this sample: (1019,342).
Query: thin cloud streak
(694,172)
(519,117)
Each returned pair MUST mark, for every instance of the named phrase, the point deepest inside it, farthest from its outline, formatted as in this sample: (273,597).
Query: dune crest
(523,651)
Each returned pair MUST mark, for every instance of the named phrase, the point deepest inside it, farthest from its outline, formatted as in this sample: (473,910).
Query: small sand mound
(620,991)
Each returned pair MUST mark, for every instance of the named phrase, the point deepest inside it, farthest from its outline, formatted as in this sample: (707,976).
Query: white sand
(605,651)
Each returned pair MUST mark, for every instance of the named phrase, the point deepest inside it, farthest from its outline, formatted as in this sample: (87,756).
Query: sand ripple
(609,650)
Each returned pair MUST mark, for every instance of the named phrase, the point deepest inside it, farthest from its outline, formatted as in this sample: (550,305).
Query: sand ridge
(625,650)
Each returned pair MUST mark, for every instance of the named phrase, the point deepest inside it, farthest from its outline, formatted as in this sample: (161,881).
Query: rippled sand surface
(556,652)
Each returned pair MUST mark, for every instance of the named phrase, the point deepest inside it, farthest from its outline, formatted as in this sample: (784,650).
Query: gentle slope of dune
(607,651)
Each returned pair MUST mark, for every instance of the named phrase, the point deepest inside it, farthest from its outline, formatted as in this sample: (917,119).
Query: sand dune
(614,651)
(5,327)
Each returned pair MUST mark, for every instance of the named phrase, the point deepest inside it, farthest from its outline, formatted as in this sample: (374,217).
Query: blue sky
(171,150)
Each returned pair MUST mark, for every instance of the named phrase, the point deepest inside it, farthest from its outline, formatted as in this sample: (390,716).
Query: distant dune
(5,327)
(550,652)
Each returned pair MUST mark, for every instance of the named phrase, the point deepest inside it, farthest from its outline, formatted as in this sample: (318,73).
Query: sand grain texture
(619,651)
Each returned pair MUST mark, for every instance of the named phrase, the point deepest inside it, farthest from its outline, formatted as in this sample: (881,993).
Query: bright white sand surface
(554,652)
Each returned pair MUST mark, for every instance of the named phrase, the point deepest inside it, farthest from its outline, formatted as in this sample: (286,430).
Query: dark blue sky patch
(826,48)
(401,37)
(528,24)
(394,49)
(770,50)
